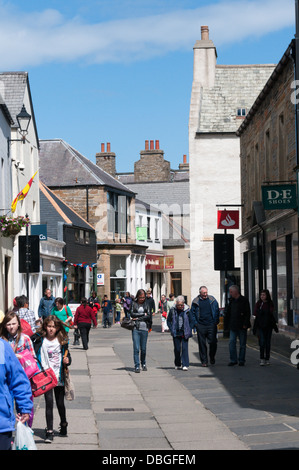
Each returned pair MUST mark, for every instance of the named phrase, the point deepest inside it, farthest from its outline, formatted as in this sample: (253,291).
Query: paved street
(214,408)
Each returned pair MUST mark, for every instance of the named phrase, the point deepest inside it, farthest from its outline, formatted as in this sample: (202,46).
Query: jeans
(84,329)
(181,354)
(265,342)
(242,335)
(139,346)
(207,333)
(5,440)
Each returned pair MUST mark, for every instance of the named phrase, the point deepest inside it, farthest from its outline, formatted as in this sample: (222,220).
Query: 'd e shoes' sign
(279,197)
(228,219)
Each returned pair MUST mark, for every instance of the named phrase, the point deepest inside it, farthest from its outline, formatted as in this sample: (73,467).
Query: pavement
(167,410)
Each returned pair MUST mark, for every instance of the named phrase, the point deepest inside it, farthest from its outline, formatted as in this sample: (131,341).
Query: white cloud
(44,37)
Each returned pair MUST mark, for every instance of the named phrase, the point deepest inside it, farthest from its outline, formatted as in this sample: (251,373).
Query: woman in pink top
(83,317)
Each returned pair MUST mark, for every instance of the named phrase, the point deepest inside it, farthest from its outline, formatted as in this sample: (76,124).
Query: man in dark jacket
(47,303)
(238,320)
(205,318)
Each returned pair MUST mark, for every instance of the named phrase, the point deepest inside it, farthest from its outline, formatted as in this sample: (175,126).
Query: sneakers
(144,367)
(63,429)
(49,436)
(185,368)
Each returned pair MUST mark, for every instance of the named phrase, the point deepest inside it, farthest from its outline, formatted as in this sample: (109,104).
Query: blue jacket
(14,385)
(45,306)
(172,322)
(195,310)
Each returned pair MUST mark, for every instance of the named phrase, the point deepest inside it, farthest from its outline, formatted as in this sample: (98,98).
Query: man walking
(238,320)
(205,318)
(47,303)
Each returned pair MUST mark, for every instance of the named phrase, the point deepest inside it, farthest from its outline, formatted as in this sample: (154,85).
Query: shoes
(263,362)
(144,367)
(232,364)
(49,436)
(267,362)
(204,365)
(137,370)
(212,361)
(178,367)
(185,368)
(241,364)
(63,429)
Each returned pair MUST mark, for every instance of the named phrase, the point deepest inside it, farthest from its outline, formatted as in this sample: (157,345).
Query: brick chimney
(106,160)
(152,166)
(185,165)
(205,56)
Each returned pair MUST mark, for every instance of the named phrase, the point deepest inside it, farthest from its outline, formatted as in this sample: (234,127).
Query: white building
(221,96)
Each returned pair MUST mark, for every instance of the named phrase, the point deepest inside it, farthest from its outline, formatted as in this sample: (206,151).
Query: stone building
(107,205)
(221,97)
(269,239)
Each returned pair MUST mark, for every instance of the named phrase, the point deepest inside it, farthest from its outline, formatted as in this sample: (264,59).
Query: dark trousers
(5,440)
(181,353)
(59,398)
(265,342)
(207,334)
(84,329)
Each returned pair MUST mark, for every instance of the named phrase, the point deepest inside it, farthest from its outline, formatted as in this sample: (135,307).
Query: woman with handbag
(11,331)
(63,312)
(141,314)
(51,353)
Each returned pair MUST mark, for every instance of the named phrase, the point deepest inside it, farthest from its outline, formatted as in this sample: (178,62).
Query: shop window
(176,283)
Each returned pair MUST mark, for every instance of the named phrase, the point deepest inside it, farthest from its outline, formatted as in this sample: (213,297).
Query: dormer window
(241,112)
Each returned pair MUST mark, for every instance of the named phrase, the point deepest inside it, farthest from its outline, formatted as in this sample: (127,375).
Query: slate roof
(62,165)
(236,86)
(54,210)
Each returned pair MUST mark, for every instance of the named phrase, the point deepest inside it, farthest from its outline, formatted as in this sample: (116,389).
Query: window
(281,148)
(117,213)
(241,112)
(157,229)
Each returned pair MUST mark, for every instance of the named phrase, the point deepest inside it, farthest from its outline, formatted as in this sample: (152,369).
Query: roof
(12,89)
(54,210)
(63,166)
(236,86)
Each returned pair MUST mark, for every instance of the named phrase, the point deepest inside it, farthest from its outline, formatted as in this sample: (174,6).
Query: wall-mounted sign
(40,230)
(169,262)
(282,196)
(100,279)
(228,219)
(154,263)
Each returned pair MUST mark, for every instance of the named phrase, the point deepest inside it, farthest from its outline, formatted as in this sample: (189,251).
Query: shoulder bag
(128,323)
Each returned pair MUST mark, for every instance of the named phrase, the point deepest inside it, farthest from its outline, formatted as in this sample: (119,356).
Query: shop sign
(100,279)
(169,262)
(154,263)
(279,197)
(40,230)
(228,219)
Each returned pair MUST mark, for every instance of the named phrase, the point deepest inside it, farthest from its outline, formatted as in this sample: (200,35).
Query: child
(52,350)
(118,311)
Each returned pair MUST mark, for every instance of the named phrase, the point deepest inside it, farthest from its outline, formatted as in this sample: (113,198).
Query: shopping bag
(68,386)
(28,363)
(24,438)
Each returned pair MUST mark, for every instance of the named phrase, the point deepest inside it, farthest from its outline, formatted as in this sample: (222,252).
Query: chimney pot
(151,145)
(108,147)
(146,145)
(102,148)
(204,33)
(157,145)
(185,158)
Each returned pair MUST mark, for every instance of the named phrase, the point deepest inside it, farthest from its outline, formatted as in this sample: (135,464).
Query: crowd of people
(45,338)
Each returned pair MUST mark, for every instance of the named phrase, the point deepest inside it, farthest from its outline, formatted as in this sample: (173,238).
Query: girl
(264,323)
(52,351)
(10,330)
(141,313)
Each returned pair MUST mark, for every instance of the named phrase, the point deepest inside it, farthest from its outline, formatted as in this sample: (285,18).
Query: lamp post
(23,119)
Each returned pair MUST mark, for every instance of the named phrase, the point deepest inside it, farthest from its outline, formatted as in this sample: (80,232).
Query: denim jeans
(242,335)
(139,346)
(181,354)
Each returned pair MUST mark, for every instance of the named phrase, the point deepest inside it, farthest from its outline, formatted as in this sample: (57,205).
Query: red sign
(228,219)
(169,262)
(154,263)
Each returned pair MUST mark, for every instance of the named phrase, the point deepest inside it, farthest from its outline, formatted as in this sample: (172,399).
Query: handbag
(128,323)
(43,381)
(28,363)
(69,388)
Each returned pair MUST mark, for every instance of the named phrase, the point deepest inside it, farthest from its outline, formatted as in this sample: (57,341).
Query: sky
(121,71)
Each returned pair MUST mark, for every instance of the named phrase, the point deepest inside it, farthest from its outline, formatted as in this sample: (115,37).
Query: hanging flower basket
(11,226)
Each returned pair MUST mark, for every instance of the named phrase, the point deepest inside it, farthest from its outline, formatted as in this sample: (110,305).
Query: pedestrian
(11,331)
(14,386)
(205,318)
(24,313)
(141,313)
(47,302)
(127,304)
(107,311)
(264,323)
(63,312)
(238,320)
(93,299)
(117,310)
(52,351)
(84,317)
(163,311)
(170,302)
(150,300)
(179,325)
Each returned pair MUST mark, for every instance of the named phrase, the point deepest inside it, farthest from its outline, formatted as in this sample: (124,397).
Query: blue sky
(121,71)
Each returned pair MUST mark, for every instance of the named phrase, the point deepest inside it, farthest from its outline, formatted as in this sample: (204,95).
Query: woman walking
(84,316)
(141,313)
(264,323)
(179,326)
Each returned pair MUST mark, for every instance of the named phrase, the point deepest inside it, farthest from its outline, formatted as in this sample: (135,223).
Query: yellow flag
(22,194)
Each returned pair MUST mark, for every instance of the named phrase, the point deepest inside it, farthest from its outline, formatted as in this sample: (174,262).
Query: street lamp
(23,119)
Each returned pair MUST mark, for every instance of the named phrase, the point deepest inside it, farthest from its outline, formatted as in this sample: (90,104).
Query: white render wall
(215,170)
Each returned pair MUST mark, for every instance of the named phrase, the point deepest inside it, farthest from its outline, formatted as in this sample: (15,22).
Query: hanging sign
(282,196)
(228,219)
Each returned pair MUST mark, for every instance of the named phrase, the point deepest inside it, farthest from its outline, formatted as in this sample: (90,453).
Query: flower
(12,225)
